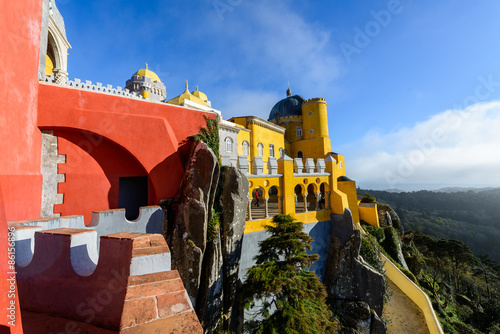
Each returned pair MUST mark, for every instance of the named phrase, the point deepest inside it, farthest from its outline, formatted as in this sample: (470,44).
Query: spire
(196,87)
(146,66)
(187,87)
(288,91)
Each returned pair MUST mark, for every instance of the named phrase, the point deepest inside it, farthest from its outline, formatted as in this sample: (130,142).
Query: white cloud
(248,103)
(455,148)
(273,40)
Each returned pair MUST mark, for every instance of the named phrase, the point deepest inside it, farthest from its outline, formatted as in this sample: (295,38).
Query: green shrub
(370,253)
(367,198)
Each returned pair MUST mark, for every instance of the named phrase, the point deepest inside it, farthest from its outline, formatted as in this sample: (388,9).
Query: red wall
(93,168)
(20,140)
(105,137)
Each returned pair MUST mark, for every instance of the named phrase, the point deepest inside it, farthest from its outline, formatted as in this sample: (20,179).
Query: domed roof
(289,106)
(199,94)
(145,72)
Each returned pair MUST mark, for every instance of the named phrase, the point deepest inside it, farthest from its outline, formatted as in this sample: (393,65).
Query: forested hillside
(472,217)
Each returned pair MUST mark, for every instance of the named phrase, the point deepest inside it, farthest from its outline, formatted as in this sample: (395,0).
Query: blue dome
(290,106)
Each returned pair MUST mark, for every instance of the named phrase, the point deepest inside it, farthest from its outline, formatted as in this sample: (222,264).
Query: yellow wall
(306,218)
(368,212)
(340,164)
(243,136)
(265,136)
(290,123)
(49,66)
(312,148)
(315,118)
(349,188)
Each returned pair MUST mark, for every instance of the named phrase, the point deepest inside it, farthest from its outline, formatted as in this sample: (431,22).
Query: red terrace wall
(106,136)
(93,174)
(20,140)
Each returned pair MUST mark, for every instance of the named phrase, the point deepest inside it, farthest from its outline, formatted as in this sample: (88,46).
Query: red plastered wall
(20,139)
(106,137)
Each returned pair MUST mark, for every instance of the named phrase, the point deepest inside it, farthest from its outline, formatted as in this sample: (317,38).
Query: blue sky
(411,85)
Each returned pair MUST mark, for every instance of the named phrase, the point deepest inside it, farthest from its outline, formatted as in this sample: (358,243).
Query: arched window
(271,150)
(229,145)
(246,148)
(281,152)
(300,154)
(261,149)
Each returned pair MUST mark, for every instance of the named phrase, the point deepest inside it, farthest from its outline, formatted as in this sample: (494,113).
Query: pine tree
(293,300)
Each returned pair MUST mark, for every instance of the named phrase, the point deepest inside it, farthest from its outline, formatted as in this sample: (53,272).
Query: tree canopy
(283,296)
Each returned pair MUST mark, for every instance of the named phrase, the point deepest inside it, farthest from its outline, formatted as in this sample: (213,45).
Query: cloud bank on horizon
(452,148)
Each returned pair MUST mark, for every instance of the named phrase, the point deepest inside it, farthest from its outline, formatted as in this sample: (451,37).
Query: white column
(250,209)
(305,202)
(318,198)
(266,199)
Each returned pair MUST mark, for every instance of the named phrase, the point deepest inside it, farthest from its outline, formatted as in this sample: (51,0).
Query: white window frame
(299,131)
(271,150)
(281,152)
(260,149)
(246,148)
(229,145)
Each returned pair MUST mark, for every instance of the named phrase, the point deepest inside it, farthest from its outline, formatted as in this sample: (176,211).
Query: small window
(300,155)
(341,165)
(245,148)
(229,145)
(261,149)
(271,150)
(281,152)
(299,131)
(311,131)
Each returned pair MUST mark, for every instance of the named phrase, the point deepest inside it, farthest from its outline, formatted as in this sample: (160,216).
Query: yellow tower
(314,118)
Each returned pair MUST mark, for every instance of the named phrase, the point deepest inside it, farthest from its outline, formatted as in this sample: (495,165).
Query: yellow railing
(414,293)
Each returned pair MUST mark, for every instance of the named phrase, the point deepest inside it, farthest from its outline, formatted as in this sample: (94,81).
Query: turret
(314,119)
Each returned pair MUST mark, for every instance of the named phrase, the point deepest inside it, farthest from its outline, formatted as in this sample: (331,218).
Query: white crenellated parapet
(272,166)
(243,164)
(258,166)
(320,165)
(98,87)
(309,166)
(105,222)
(298,166)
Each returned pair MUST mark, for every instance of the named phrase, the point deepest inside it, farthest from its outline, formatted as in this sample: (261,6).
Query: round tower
(314,119)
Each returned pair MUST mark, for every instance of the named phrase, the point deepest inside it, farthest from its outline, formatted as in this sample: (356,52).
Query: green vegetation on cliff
(283,295)
(464,289)
(471,217)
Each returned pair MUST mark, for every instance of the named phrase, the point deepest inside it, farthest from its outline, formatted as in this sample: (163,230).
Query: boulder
(233,201)
(216,300)
(346,277)
(358,318)
(188,214)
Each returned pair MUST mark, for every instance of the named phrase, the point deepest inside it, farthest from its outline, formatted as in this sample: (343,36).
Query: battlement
(105,222)
(116,281)
(98,87)
(314,100)
(133,271)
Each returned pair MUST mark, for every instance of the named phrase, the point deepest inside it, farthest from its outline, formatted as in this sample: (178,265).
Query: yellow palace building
(289,163)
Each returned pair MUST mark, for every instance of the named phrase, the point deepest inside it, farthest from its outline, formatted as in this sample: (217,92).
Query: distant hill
(471,216)
(460,189)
